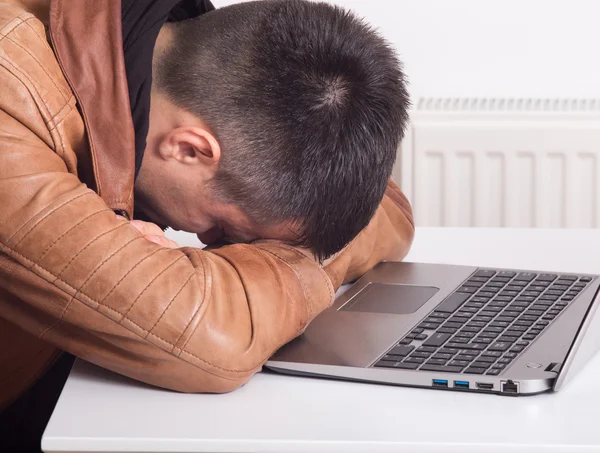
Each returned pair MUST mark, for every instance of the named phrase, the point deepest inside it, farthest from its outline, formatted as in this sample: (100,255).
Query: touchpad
(387,298)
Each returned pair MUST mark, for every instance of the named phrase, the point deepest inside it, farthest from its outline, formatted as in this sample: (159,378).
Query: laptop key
(484,273)
(465,357)
(441,355)
(401,350)
(426,349)
(440,314)
(421,337)
(459,363)
(445,329)
(486,334)
(474,370)
(547,277)
(529,337)
(417,360)
(467,290)
(496,283)
(490,289)
(486,359)
(500,346)
(406,366)
(509,274)
(441,368)
(481,364)
(485,319)
(494,372)
(428,325)
(489,353)
(386,364)
(452,302)
(510,355)
(436,362)
(525,299)
(417,331)
(585,279)
(525,276)
(437,339)
(406,341)
(480,299)
(474,283)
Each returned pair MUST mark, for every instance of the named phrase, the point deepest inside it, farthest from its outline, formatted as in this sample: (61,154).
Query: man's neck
(39,8)
(163,41)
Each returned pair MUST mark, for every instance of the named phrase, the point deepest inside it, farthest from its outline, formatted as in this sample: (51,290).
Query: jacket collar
(87,41)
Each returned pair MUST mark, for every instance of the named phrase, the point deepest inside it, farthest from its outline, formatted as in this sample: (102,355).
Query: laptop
(498,331)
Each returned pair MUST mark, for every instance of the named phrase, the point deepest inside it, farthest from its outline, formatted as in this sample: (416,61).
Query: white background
(510,48)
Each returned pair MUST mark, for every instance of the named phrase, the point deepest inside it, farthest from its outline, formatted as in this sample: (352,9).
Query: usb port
(461,384)
(484,386)
(440,383)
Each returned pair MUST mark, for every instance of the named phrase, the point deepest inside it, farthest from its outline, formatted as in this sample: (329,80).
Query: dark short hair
(309,106)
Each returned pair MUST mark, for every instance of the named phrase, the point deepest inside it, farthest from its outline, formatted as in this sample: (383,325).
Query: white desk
(100,411)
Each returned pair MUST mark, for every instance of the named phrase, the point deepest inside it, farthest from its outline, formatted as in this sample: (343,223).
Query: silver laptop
(508,332)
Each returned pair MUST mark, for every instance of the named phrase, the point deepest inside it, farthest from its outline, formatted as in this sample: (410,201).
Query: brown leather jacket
(74,278)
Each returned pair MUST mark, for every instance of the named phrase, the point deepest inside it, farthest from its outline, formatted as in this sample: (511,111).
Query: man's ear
(191,145)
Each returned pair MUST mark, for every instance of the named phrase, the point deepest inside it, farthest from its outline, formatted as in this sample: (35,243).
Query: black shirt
(141,22)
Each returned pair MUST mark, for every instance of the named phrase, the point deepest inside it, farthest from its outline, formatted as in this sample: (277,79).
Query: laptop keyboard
(483,326)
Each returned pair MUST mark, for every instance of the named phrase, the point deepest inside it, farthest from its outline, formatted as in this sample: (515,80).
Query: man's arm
(74,275)
(388,236)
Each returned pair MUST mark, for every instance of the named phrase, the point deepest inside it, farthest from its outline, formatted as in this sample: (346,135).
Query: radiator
(503,162)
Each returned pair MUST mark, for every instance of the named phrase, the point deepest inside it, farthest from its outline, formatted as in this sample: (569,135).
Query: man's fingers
(147,228)
(162,241)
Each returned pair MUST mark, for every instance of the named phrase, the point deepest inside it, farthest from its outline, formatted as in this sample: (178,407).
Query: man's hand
(152,233)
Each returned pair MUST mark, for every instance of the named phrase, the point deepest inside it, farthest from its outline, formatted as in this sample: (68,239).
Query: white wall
(511,48)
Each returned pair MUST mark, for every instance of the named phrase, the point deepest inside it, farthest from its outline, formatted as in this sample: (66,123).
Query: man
(269,125)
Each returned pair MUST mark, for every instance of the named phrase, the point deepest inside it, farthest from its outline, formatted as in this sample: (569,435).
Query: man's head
(275,119)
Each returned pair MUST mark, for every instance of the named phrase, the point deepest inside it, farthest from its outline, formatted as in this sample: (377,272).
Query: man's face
(213,222)
(173,187)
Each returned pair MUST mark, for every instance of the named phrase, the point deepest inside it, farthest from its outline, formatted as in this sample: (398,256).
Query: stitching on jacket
(43,270)
(14,23)
(275,273)
(321,272)
(39,220)
(45,43)
(200,305)
(89,244)
(31,86)
(53,123)
(154,252)
(171,301)
(49,215)
(105,261)
(90,136)
(150,284)
(62,94)
(84,283)
(69,230)
(299,277)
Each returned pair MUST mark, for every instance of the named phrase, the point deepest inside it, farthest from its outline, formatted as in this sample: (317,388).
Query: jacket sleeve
(388,236)
(183,319)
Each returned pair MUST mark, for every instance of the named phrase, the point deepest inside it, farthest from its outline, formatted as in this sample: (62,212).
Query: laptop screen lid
(584,346)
